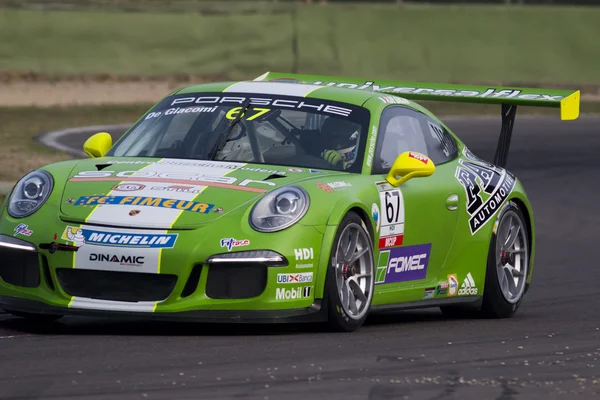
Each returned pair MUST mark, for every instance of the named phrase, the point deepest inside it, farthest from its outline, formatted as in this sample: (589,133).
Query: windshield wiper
(223,139)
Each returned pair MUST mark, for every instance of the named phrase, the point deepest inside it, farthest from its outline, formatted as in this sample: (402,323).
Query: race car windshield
(251,128)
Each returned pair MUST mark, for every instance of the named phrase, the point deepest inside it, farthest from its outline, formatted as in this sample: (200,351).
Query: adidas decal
(468,287)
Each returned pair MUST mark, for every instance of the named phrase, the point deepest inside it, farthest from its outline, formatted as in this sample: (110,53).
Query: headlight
(30,194)
(279,209)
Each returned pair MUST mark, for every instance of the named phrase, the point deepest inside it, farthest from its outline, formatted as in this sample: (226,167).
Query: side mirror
(408,165)
(98,145)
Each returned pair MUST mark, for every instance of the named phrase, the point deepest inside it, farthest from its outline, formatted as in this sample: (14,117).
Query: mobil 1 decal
(486,187)
(392,215)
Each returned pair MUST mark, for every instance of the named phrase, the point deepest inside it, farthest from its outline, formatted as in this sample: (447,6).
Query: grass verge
(478,44)
(20,154)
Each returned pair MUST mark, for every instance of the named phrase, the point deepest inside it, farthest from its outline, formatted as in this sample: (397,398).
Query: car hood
(167,193)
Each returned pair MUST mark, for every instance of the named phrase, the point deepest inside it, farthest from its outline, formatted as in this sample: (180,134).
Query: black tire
(40,318)
(338,319)
(494,303)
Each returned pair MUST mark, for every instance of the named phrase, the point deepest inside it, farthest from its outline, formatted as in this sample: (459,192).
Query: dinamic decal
(101,237)
(486,187)
(184,205)
(403,264)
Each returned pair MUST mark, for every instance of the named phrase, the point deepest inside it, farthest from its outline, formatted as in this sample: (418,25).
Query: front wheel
(349,283)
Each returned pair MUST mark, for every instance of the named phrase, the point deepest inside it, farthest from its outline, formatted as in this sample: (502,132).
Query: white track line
(51,139)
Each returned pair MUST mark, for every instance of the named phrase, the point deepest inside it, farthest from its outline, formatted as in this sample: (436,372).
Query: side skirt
(467,301)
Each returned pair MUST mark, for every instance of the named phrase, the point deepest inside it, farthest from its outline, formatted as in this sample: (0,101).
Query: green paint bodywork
(427,220)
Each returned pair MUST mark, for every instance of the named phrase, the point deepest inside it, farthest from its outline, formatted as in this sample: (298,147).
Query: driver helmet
(341,136)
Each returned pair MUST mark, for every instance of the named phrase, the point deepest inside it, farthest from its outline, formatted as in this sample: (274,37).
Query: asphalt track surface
(550,349)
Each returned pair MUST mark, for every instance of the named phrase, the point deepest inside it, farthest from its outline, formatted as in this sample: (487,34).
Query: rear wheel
(508,265)
(41,318)
(349,283)
(507,269)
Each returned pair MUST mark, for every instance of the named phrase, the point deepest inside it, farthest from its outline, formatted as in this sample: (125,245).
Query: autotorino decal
(392,215)
(101,237)
(486,187)
(142,201)
(403,264)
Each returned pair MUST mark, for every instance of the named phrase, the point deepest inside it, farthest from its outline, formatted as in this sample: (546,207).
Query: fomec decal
(486,187)
(403,264)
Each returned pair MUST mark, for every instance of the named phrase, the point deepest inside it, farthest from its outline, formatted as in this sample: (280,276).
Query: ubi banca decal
(486,187)
(303,277)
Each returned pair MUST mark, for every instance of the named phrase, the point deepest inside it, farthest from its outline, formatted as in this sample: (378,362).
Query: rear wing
(508,97)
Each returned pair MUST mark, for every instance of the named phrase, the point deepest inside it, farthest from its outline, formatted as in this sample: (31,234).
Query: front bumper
(314,313)
(171,283)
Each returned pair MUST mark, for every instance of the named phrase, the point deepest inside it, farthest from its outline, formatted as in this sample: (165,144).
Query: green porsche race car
(289,198)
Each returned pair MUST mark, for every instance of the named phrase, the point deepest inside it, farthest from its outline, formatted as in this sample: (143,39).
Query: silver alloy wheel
(512,256)
(353,263)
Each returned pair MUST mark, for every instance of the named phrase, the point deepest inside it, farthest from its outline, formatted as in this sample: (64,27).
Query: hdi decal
(486,187)
(403,264)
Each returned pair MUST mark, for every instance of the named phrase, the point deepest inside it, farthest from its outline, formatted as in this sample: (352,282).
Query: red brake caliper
(503,257)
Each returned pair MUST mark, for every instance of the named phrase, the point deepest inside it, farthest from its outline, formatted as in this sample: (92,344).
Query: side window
(403,129)
(440,144)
